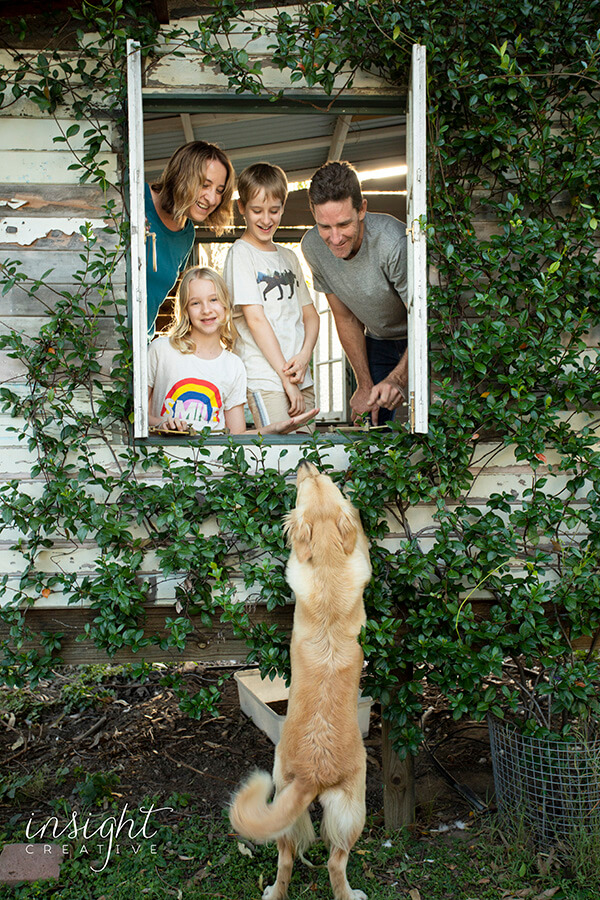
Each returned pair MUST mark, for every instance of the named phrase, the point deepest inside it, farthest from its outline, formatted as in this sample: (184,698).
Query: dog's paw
(272,893)
(358,895)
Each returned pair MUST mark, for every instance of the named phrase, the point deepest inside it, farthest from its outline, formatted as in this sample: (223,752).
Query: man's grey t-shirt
(373,283)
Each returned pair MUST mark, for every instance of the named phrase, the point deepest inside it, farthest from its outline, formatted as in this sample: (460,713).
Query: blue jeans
(383,356)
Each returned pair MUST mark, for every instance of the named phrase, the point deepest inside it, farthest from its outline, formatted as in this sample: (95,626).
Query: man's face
(341,226)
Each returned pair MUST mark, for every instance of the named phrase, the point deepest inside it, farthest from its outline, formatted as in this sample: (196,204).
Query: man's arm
(368,397)
(351,333)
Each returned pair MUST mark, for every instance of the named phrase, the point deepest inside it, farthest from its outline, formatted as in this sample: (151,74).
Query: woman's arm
(236,423)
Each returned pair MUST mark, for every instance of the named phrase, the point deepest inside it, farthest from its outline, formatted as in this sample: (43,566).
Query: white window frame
(416,214)
(418,382)
(137,226)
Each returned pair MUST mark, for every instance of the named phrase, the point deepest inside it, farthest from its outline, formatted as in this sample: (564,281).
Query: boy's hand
(295,369)
(294,395)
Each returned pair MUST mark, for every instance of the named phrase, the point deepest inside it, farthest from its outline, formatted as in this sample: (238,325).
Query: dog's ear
(299,535)
(346,524)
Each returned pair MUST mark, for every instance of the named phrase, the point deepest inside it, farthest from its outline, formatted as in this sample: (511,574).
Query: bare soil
(136,739)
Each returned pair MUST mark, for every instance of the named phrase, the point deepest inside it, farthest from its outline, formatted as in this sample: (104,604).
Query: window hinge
(152,234)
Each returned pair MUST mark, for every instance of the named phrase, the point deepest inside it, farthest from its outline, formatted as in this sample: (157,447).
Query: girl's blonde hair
(180,328)
(183,177)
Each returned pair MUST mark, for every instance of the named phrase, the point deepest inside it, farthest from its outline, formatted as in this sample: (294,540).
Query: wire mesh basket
(551,786)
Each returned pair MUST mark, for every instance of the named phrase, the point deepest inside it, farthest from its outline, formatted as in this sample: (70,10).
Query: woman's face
(210,192)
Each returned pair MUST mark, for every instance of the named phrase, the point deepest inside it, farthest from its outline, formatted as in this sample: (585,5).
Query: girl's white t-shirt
(197,390)
(274,281)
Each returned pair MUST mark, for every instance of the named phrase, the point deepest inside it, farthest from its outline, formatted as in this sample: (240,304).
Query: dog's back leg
(297,839)
(343,821)
(285,862)
(338,859)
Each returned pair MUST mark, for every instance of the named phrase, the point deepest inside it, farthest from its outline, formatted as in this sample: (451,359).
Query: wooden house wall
(42,206)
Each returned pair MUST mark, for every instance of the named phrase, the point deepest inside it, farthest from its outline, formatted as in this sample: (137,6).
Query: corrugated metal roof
(299,143)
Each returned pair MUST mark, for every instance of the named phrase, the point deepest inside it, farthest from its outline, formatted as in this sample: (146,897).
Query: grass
(195,857)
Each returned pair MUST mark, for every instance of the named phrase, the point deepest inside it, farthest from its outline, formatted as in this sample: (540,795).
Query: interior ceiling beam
(186,124)
(164,124)
(338,139)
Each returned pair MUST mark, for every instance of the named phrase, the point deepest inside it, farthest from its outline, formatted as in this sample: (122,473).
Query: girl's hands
(168,423)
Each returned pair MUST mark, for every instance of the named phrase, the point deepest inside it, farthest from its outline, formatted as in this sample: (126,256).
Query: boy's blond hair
(180,328)
(262,175)
(183,178)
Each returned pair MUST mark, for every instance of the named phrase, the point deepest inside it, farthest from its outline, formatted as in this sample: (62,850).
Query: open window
(370,132)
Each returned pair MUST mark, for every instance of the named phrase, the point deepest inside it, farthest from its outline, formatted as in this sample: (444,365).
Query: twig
(95,727)
(197,771)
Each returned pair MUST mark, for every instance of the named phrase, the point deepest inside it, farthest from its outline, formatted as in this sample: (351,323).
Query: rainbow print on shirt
(195,401)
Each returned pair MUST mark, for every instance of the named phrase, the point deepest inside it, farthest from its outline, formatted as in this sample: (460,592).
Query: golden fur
(321,752)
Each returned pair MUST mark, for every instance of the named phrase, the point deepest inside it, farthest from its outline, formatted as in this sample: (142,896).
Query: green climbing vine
(514,159)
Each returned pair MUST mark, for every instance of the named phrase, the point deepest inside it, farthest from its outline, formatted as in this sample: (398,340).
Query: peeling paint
(13,203)
(25,232)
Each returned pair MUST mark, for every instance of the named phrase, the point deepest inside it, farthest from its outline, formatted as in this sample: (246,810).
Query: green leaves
(486,592)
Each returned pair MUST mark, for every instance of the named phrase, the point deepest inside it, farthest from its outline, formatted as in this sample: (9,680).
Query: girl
(196,188)
(194,379)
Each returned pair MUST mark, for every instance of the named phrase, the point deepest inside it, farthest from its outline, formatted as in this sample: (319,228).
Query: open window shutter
(137,222)
(416,186)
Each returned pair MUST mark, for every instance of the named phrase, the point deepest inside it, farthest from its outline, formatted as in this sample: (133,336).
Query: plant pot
(256,694)
(551,786)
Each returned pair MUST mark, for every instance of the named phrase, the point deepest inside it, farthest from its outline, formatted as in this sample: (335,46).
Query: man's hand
(359,402)
(385,394)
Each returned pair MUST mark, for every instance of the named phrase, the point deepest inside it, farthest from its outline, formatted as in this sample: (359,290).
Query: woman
(196,188)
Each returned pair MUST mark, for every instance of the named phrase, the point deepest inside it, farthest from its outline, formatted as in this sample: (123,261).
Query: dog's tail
(254,817)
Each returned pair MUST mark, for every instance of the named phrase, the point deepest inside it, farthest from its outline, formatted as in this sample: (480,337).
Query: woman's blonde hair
(180,328)
(183,177)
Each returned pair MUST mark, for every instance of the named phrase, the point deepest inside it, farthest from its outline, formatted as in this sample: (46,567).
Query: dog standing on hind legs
(321,752)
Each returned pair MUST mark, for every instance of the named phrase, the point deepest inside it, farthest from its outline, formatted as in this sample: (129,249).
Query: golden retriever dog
(321,752)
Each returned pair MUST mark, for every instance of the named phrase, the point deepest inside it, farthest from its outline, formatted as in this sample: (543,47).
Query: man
(358,259)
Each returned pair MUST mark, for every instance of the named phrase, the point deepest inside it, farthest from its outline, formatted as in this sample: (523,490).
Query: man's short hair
(262,175)
(335,181)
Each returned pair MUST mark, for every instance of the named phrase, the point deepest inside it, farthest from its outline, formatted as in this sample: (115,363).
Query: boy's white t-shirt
(197,390)
(273,280)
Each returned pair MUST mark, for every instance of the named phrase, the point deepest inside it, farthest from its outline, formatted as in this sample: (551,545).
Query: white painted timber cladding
(190,74)
(416,186)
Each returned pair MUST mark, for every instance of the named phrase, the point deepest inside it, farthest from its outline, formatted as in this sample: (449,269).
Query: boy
(274,313)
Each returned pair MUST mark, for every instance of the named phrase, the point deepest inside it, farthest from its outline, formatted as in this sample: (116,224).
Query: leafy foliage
(497,602)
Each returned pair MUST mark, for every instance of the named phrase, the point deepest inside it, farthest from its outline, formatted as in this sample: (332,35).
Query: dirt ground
(141,745)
